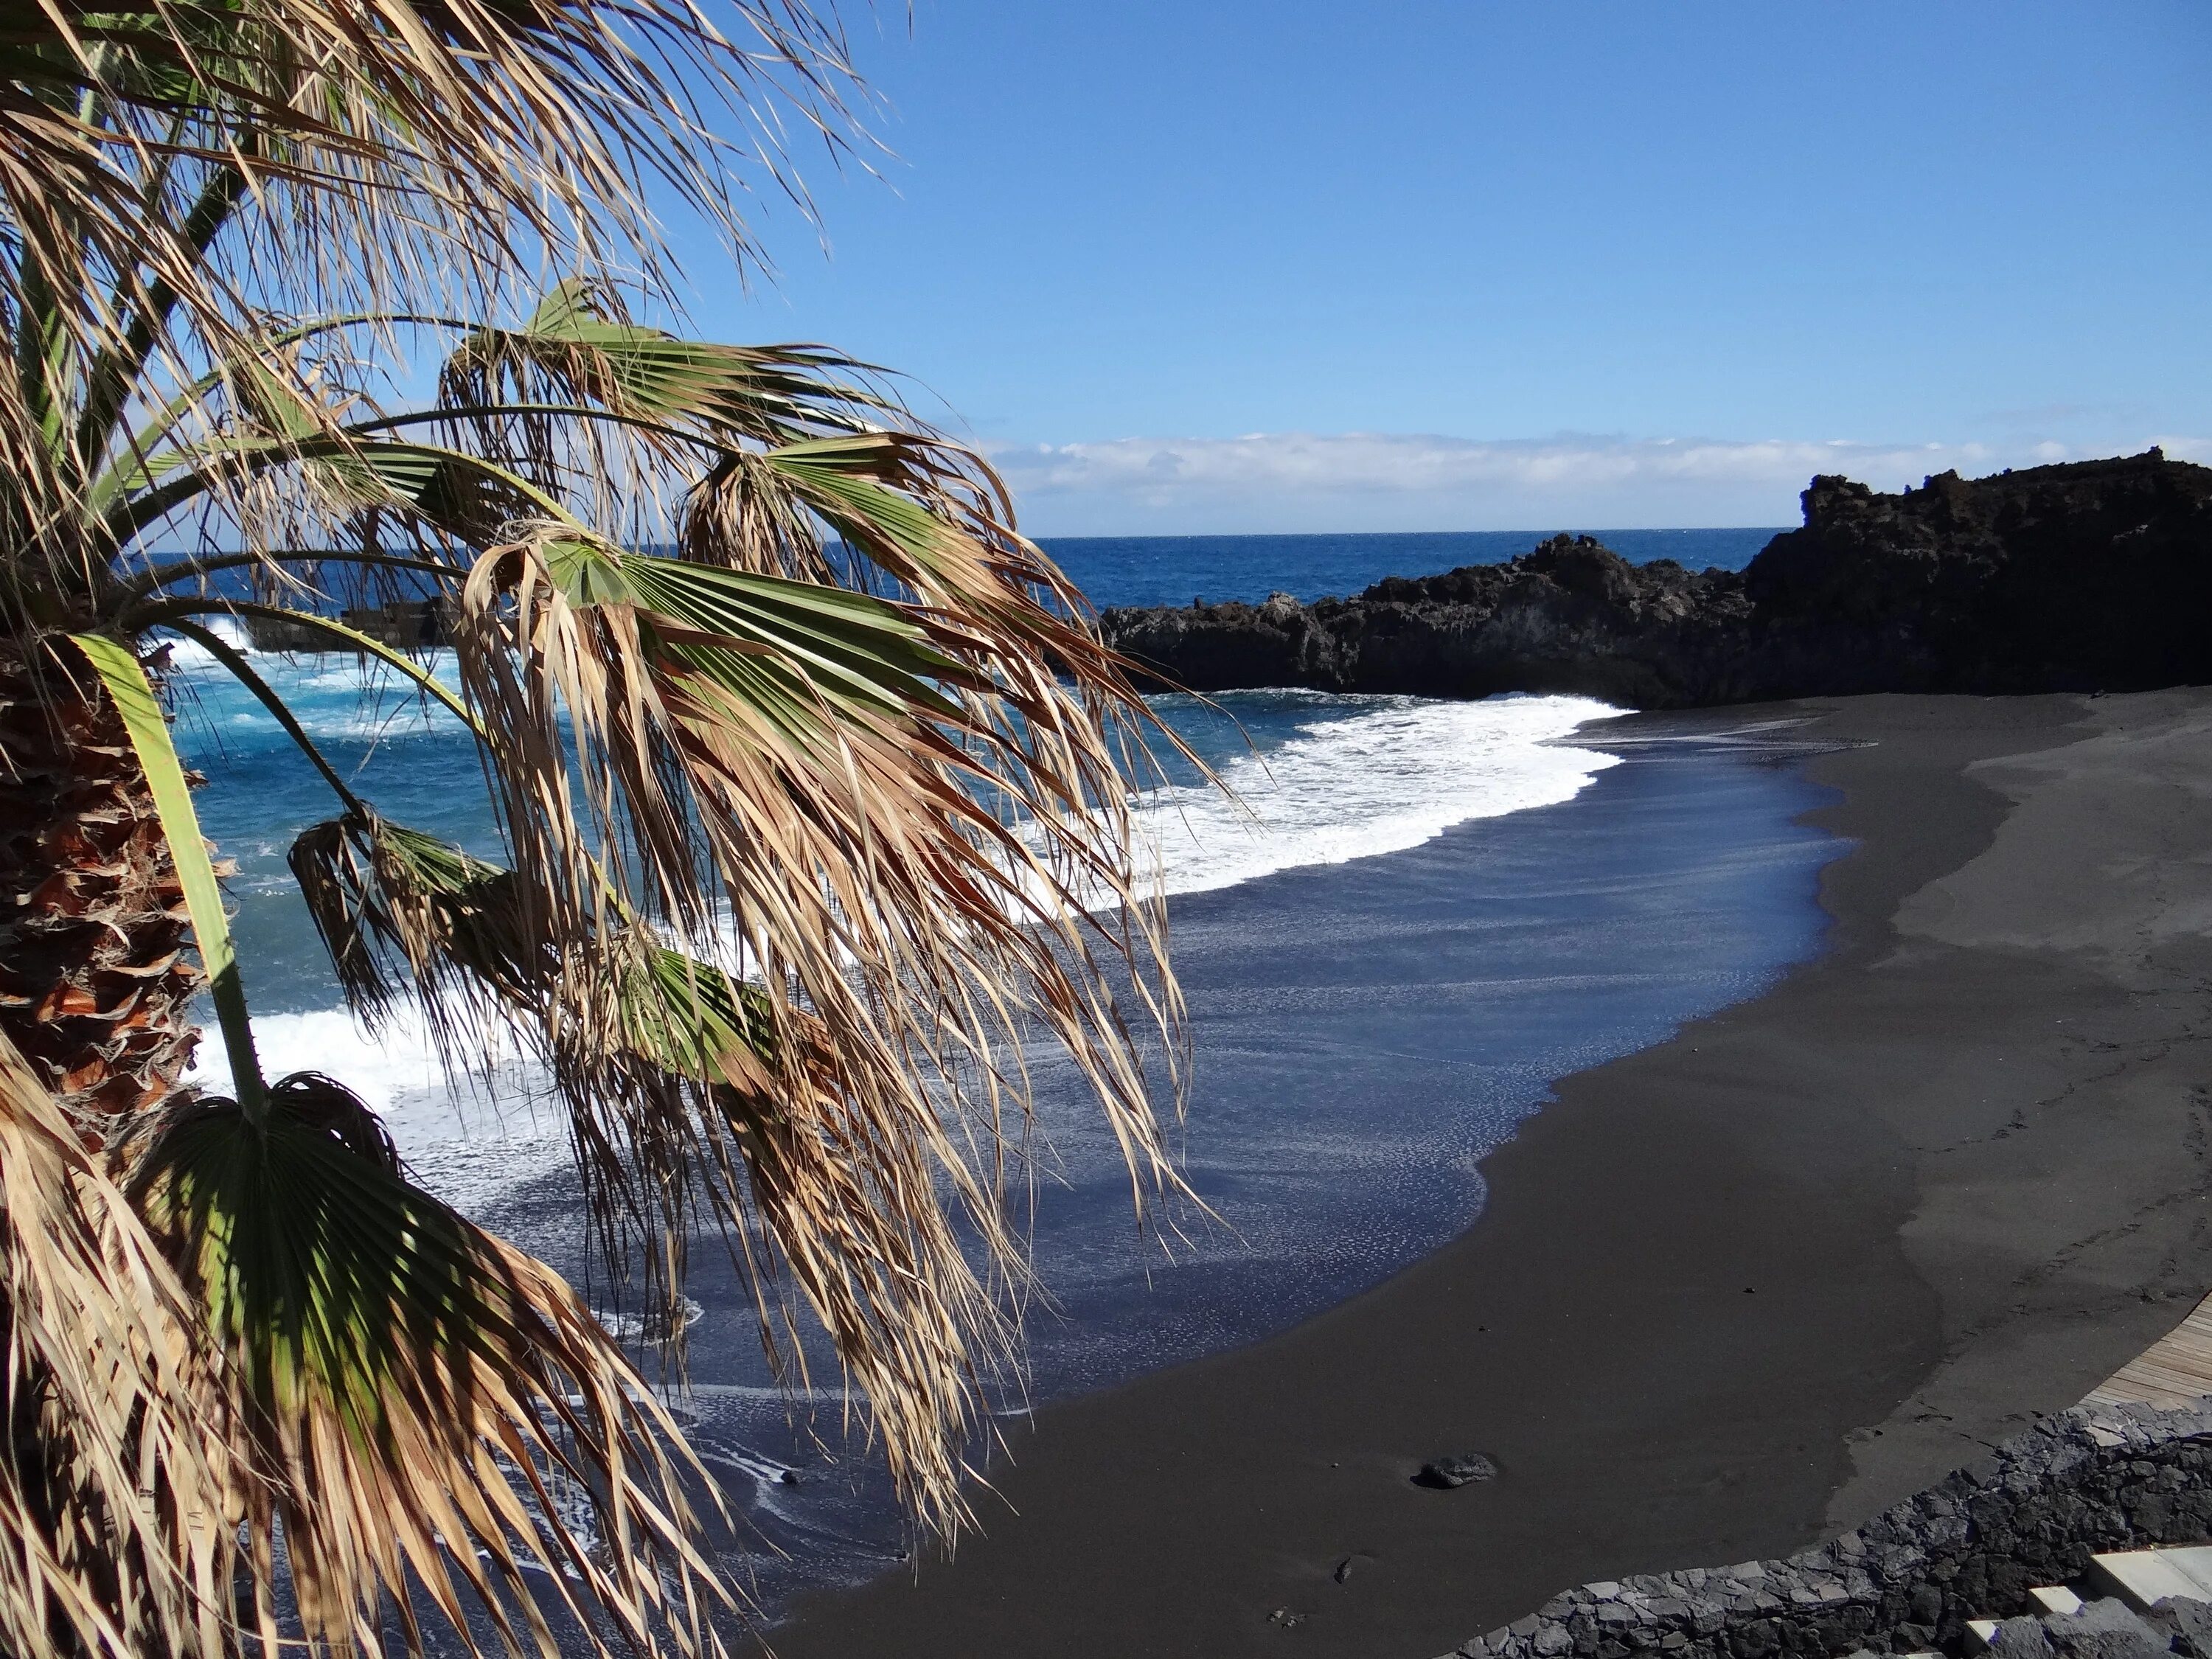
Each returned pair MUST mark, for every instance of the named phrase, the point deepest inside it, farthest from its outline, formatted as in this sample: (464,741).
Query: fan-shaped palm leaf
(407,132)
(845,773)
(906,807)
(393,1393)
(422,1405)
(811,826)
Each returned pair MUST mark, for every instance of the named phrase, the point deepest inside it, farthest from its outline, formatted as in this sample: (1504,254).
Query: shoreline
(1728,1293)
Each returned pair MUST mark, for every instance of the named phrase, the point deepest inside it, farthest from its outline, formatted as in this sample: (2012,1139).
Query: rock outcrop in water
(2094,575)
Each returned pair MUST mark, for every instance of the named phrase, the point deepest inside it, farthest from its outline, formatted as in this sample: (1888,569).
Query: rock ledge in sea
(2087,576)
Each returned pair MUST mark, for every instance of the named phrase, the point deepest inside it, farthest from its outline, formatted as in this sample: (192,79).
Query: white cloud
(1283,481)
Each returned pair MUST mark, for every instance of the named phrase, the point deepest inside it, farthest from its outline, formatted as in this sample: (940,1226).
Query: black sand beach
(1728,1293)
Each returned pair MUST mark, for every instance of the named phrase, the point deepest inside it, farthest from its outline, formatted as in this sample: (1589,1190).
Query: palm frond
(376,1357)
(418,1406)
(906,818)
(387,158)
(860,747)
(144,719)
(579,347)
(401,133)
(406,916)
(814,829)
(118,1503)
(673,1066)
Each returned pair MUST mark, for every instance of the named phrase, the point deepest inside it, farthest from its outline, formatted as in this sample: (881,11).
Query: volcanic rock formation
(2094,575)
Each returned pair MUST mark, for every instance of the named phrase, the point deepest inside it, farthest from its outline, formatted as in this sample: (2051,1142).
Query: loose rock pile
(2091,1479)
(2110,1630)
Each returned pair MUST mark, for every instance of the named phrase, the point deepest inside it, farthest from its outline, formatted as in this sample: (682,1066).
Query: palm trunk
(94,979)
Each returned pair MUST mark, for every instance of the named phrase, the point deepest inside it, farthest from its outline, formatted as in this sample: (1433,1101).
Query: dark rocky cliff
(2095,576)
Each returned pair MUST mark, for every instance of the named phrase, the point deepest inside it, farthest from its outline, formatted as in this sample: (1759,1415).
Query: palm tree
(812,772)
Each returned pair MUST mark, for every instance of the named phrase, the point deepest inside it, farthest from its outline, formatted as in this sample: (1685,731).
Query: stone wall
(2088,1480)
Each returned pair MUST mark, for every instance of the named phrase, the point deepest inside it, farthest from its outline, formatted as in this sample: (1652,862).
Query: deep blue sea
(1177,569)
(1429,912)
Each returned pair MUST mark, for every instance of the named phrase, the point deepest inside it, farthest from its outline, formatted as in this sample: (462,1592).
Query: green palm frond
(577,348)
(407,918)
(677,1068)
(810,827)
(910,803)
(394,157)
(418,1404)
(119,672)
(380,1360)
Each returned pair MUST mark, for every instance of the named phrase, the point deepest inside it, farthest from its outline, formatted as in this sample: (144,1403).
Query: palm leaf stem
(38,325)
(564,411)
(141,711)
(143,439)
(98,1328)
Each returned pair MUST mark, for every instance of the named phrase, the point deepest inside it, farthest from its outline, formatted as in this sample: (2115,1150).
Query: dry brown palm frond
(177,178)
(579,347)
(672,1065)
(117,1495)
(615,416)
(797,871)
(421,1405)
(837,771)
(405,915)
(408,1409)
(419,139)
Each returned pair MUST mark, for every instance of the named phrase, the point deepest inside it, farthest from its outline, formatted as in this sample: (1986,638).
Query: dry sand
(1729,1294)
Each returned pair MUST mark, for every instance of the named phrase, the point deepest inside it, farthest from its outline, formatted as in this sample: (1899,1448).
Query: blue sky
(1231,266)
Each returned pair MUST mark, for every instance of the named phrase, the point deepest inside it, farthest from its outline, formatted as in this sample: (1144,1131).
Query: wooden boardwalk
(2174,1370)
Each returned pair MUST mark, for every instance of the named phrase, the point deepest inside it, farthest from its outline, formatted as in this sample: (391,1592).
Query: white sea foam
(191,654)
(1398,772)
(332,695)
(388,1071)
(1365,775)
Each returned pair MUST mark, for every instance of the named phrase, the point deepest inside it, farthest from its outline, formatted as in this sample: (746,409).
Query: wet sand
(1726,1294)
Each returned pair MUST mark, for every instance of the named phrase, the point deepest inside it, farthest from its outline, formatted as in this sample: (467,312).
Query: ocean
(1430,911)
(1178,570)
